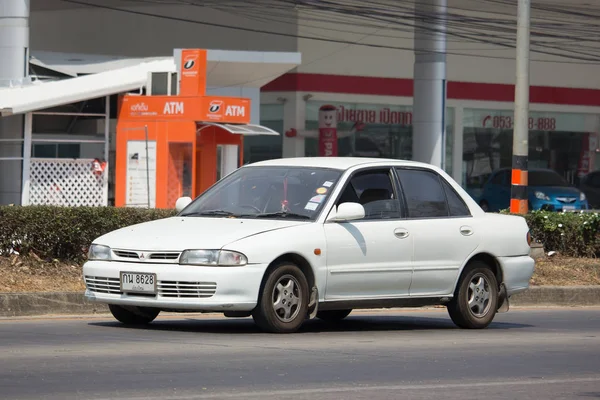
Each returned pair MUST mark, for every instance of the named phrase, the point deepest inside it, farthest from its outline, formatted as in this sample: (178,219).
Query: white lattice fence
(66,183)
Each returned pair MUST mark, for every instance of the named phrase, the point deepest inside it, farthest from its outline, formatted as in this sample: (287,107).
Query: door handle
(466,230)
(400,233)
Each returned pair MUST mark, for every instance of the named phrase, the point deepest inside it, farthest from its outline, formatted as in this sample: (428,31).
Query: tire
(479,314)
(133,315)
(333,315)
(274,312)
(484,206)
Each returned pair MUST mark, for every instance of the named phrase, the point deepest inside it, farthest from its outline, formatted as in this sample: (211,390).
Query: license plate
(568,208)
(135,282)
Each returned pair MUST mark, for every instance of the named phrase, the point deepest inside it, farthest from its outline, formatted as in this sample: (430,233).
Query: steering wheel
(250,206)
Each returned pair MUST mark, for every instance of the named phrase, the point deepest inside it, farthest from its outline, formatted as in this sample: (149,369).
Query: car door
(440,224)
(371,257)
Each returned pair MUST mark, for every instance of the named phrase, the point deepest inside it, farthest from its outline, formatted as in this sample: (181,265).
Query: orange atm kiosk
(174,146)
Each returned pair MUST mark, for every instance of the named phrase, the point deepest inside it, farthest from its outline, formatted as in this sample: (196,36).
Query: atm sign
(235,111)
(227,109)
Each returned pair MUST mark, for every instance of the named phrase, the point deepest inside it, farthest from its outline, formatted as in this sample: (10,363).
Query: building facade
(362,65)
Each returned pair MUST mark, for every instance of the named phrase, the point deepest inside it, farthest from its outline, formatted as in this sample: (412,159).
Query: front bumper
(180,287)
(555,205)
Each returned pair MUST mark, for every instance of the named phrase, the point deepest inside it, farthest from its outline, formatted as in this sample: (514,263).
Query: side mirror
(347,212)
(182,203)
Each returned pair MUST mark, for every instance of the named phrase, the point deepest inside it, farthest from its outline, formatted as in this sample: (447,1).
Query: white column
(230,159)
(106,147)
(429,101)
(14,66)
(294,116)
(26,159)
(14,41)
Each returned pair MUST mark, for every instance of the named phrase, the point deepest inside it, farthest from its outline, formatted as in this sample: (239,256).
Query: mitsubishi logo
(142,256)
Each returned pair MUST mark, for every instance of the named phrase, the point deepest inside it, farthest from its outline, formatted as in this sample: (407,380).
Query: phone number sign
(537,121)
(506,122)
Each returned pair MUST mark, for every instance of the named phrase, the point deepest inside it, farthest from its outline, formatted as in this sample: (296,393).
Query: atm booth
(174,146)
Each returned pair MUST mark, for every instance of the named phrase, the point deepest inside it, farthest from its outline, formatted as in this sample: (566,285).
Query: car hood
(554,191)
(181,233)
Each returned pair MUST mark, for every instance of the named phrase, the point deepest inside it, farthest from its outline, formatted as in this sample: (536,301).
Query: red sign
(328,142)
(584,158)
(193,73)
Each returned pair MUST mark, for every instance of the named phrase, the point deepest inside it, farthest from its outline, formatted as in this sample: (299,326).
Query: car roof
(339,163)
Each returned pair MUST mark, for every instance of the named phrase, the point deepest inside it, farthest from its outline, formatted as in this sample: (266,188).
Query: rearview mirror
(182,203)
(347,212)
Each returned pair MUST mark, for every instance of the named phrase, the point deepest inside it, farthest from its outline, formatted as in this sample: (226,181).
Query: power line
(590,60)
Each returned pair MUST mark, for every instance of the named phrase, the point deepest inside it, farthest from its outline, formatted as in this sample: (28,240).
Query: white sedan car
(291,239)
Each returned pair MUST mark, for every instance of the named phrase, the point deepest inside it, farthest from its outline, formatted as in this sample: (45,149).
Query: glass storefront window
(387,132)
(259,148)
(563,142)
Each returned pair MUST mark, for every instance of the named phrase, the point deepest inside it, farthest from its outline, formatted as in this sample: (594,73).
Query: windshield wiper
(220,213)
(283,214)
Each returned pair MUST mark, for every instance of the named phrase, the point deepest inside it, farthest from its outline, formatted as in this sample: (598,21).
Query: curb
(31,304)
(558,296)
(74,303)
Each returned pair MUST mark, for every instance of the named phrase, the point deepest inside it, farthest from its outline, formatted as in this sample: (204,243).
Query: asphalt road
(525,354)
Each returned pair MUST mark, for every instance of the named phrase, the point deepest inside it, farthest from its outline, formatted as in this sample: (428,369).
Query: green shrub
(573,234)
(64,233)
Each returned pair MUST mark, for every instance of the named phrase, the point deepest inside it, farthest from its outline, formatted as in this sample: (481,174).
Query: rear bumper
(179,287)
(517,272)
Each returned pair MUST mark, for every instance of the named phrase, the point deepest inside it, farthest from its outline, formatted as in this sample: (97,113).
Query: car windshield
(546,178)
(267,192)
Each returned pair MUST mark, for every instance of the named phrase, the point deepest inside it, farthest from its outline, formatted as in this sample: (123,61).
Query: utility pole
(429,98)
(519,181)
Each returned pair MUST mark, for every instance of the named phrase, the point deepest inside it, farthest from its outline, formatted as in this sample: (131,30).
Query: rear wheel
(333,315)
(283,302)
(476,300)
(130,315)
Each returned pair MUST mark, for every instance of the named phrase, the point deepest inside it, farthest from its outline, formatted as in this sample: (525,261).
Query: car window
(456,204)
(424,194)
(375,191)
(260,191)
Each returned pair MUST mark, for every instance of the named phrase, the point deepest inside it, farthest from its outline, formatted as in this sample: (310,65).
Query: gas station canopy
(99,76)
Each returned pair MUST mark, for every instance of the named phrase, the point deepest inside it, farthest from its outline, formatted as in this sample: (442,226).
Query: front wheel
(283,302)
(133,315)
(476,301)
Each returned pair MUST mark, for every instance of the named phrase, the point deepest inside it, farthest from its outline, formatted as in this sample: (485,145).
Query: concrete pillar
(14,65)
(14,42)
(429,101)
(294,116)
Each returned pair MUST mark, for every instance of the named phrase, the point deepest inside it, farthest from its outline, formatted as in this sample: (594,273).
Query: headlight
(99,252)
(582,197)
(541,196)
(212,257)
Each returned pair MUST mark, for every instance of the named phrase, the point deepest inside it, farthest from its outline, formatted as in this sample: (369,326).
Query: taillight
(528,238)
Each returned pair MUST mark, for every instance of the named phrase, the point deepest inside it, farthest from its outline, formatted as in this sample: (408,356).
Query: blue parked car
(547,191)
